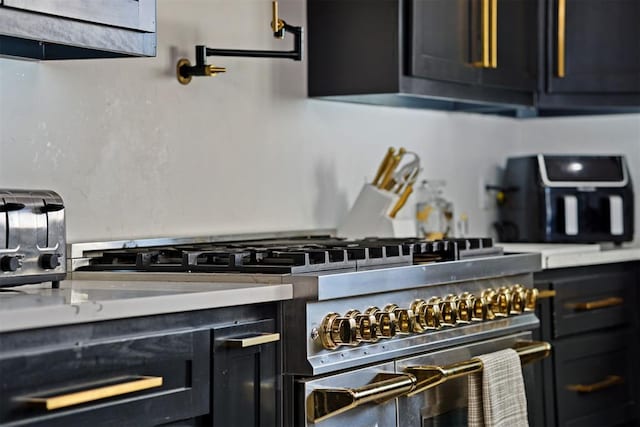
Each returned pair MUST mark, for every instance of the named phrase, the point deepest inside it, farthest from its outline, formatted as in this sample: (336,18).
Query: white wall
(134,153)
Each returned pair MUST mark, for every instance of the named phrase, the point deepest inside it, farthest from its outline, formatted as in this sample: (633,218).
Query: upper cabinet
(73,29)
(492,56)
(463,41)
(593,53)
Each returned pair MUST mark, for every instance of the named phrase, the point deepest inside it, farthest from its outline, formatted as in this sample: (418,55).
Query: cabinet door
(517,35)
(448,39)
(245,382)
(601,46)
(440,36)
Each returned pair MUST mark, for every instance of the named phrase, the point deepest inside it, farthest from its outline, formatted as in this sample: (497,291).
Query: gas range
(294,255)
(357,305)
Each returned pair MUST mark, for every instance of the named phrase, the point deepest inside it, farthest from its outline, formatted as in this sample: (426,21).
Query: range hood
(75,29)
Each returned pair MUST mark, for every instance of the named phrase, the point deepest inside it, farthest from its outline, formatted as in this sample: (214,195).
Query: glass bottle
(434,214)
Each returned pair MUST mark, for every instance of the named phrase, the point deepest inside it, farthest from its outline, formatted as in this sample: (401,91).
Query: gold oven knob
(419,311)
(502,302)
(433,314)
(366,326)
(449,309)
(530,298)
(465,307)
(336,331)
(479,311)
(404,318)
(517,299)
(386,322)
(487,301)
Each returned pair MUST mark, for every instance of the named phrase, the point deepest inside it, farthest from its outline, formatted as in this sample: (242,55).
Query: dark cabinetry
(73,29)
(593,53)
(463,41)
(494,56)
(592,378)
(213,367)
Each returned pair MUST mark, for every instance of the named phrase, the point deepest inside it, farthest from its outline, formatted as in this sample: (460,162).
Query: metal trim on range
(395,279)
(81,250)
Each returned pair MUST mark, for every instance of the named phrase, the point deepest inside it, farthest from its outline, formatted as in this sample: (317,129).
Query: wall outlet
(484,196)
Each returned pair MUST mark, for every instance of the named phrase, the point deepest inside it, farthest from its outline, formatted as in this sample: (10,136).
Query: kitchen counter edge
(96,309)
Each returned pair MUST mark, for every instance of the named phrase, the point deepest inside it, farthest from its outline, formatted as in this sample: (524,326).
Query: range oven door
(446,404)
(378,382)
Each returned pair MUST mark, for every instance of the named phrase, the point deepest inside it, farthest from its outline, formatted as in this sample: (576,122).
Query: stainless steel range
(379,332)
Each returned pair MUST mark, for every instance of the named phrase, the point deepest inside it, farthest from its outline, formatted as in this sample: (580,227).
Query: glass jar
(434,214)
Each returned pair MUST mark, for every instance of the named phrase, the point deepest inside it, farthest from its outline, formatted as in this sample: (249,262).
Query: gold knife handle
(85,396)
(383,166)
(401,201)
(610,381)
(594,305)
(388,173)
(562,22)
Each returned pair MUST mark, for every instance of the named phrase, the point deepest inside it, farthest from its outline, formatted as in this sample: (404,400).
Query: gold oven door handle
(594,305)
(253,340)
(327,403)
(608,382)
(430,376)
(118,387)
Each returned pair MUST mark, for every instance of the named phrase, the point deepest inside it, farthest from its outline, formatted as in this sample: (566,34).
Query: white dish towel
(496,394)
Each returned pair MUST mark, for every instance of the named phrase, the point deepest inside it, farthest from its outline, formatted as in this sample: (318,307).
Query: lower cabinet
(212,367)
(590,317)
(245,375)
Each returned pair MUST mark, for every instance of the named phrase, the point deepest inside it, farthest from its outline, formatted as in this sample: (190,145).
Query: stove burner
(290,256)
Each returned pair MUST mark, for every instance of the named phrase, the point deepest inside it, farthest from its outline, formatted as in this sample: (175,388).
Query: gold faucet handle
(212,70)
(277,24)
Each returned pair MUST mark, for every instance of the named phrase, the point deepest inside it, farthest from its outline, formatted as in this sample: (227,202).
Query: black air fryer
(566,198)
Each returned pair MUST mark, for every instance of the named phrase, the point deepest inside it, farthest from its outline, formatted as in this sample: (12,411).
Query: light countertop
(81,301)
(561,255)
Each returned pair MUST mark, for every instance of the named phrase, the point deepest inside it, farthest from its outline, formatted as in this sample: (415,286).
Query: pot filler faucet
(185,71)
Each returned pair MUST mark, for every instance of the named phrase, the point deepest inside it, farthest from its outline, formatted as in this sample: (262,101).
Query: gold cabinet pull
(594,305)
(489,30)
(430,376)
(494,34)
(77,397)
(251,341)
(562,22)
(326,403)
(608,382)
(546,294)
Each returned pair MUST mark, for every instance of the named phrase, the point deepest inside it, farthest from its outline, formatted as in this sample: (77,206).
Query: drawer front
(134,14)
(593,298)
(596,379)
(133,381)
(246,375)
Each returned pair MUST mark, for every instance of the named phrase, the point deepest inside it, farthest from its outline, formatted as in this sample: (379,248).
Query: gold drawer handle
(546,294)
(76,398)
(253,340)
(594,305)
(610,381)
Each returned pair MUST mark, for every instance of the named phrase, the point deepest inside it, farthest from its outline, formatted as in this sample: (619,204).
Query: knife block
(369,216)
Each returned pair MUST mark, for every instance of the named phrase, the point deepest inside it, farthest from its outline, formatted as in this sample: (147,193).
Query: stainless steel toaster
(32,237)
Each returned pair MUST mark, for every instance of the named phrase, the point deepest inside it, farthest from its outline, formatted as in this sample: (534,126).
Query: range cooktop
(290,255)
